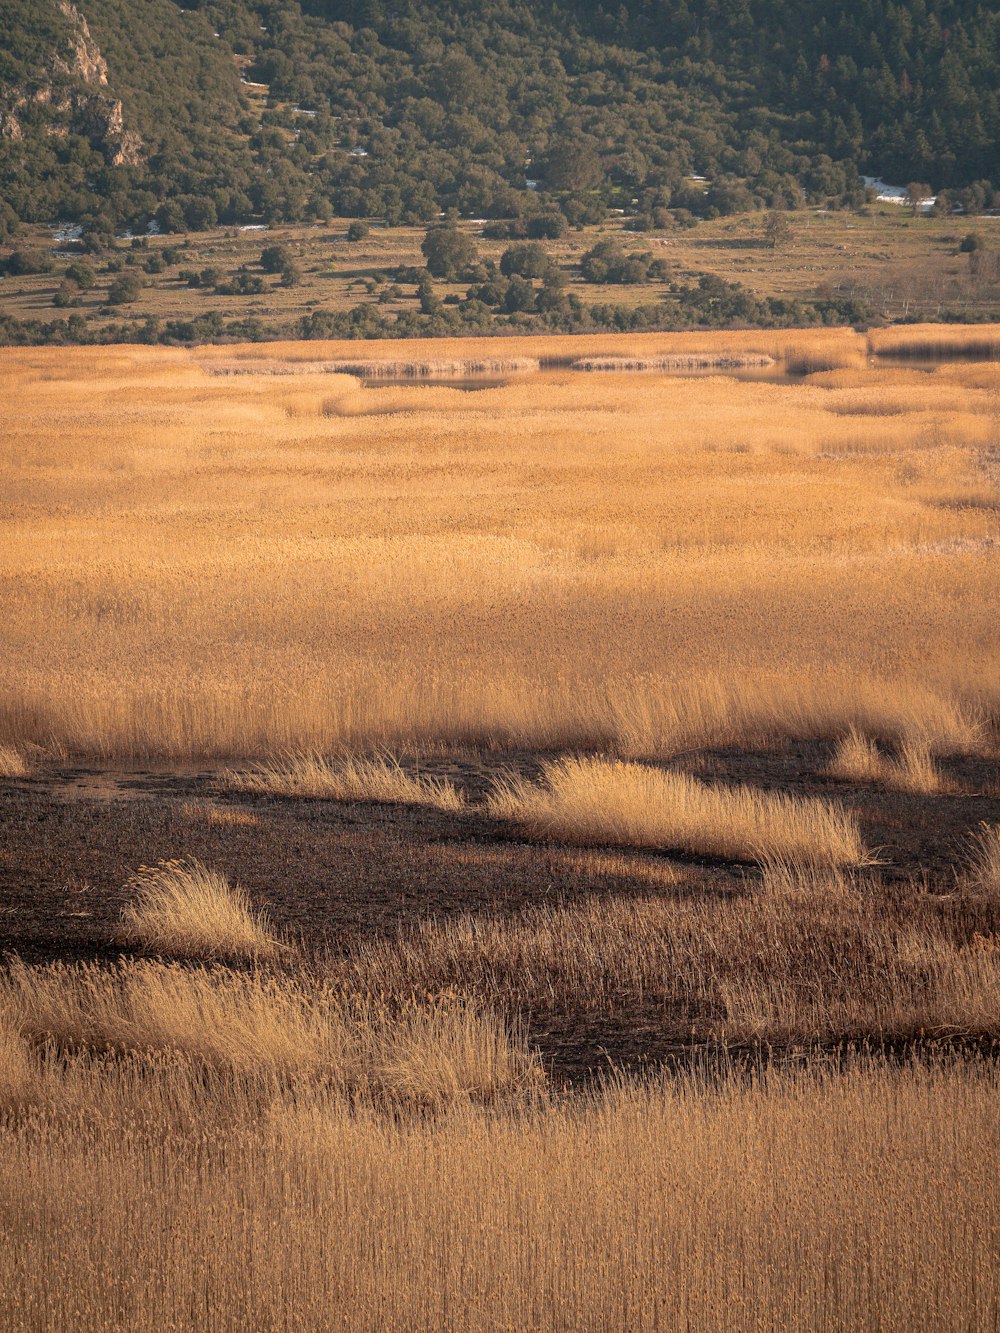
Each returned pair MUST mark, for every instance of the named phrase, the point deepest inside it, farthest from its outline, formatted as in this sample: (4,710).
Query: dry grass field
(520,858)
(230,565)
(860,1199)
(209,1148)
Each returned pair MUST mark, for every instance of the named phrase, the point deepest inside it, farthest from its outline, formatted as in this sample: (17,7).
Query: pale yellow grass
(983,870)
(348,778)
(234,567)
(13,762)
(593,800)
(858,759)
(858,1200)
(183,909)
(222,816)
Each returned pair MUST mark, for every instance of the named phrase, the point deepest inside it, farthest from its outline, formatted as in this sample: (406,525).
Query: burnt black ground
(335,873)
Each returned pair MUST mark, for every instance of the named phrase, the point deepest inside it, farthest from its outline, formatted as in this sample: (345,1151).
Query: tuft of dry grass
(983,872)
(221,816)
(349,778)
(858,759)
(13,762)
(18,1075)
(185,910)
(595,801)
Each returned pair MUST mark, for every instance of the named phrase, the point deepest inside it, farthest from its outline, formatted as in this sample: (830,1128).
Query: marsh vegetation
(515,859)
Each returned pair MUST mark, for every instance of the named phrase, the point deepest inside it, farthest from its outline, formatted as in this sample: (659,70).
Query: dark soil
(332,874)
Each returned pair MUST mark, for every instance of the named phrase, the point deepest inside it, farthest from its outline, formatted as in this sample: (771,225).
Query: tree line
(530,115)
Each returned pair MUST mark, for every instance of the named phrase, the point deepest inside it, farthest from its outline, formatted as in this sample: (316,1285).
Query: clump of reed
(792,1197)
(983,869)
(347,778)
(14,763)
(599,801)
(937,342)
(859,759)
(183,909)
(265,1028)
(19,1082)
(656,717)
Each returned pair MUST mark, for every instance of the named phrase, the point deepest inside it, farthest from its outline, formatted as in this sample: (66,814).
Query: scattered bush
(273,258)
(448,251)
(609,262)
(529,260)
(24,263)
(126,289)
(546,226)
(82,274)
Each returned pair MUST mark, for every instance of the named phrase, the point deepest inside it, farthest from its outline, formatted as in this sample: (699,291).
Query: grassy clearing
(183,909)
(597,801)
(858,759)
(898,264)
(859,1199)
(350,778)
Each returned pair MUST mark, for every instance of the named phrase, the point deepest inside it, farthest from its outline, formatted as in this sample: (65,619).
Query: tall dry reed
(597,801)
(240,566)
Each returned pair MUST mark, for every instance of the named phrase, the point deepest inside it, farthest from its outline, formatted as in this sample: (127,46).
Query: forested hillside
(117,112)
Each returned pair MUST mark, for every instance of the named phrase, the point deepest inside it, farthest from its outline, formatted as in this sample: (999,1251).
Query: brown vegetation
(414,1171)
(183,909)
(592,800)
(772,587)
(562,562)
(349,778)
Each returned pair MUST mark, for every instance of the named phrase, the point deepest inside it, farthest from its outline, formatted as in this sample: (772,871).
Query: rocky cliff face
(86,61)
(68,90)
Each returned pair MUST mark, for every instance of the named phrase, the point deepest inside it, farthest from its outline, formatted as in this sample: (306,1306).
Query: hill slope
(498,108)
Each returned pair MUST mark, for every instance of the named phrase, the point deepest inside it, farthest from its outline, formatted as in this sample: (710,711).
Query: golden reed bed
(196,565)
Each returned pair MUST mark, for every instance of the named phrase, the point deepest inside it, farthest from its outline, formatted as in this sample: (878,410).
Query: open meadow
(501,834)
(895,265)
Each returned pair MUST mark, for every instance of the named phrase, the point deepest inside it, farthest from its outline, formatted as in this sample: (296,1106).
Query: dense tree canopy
(503,109)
